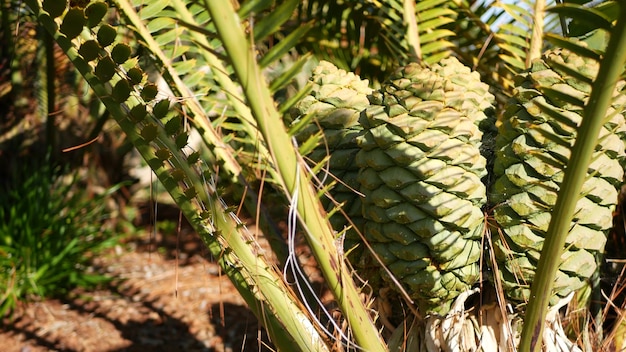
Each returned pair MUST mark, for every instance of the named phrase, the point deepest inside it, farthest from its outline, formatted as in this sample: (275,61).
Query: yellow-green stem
(257,281)
(201,120)
(318,231)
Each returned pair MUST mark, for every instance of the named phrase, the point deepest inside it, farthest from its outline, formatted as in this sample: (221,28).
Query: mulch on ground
(168,296)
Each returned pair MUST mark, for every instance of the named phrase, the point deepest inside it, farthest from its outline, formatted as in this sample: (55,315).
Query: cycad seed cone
(534,144)
(421,170)
(334,105)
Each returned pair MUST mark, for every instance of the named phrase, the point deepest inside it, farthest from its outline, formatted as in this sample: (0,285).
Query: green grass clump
(50,228)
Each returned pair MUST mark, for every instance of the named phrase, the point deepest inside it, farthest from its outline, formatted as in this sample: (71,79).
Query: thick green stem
(259,283)
(611,67)
(295,180)
(223,151)
(201,119)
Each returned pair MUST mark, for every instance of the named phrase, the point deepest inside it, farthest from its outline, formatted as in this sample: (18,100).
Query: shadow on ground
(157,303)
(124,320)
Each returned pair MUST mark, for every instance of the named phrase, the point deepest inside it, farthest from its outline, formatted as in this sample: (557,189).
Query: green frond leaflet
(193,158)
(154,163)
(106,35)
(178,175)
(205,215)
(90,50)
(54,8)
(190,192)
(138,113)
(95,12)
(163,154)
(181,140)
(135,75)
(120,53)
(121,91)
(149,92)
(73,23)
(149,132)
(161,108)
(105,69)
(173,125)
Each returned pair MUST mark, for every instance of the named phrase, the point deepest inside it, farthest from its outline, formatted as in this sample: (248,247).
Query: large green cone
(335,103)
(421,171)
(533,146)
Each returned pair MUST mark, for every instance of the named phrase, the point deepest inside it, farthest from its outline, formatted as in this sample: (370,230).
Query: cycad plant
(488,162)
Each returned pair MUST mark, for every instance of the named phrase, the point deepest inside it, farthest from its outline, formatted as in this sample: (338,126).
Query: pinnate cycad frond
(370,37)
(182,40)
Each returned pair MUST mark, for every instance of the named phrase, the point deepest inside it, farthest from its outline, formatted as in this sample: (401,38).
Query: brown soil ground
(158,303)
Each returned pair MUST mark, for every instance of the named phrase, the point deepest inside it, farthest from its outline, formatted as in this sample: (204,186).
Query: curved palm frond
(434,18)
(130,97)
(494,37)
(347,34)
(215,103)
(371,37)
(186,34)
